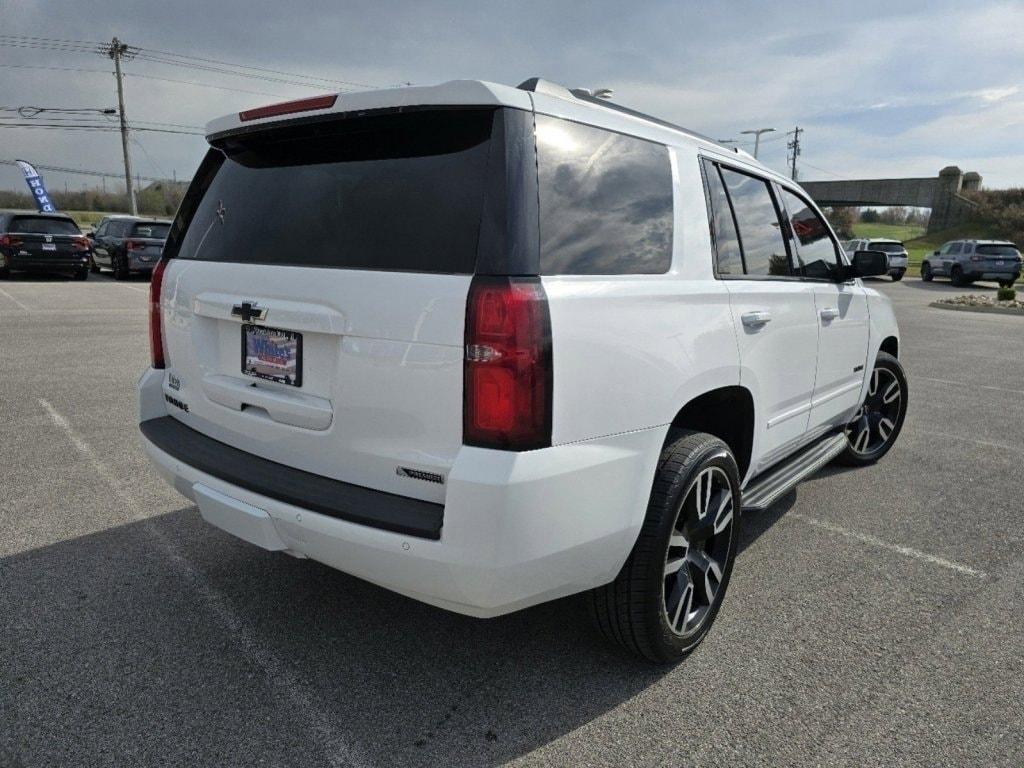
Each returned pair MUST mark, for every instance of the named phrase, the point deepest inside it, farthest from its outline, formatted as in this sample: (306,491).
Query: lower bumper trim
(334,498)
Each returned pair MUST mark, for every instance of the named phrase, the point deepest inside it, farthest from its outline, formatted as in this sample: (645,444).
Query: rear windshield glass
(40,225)
(996,250)
(389,192)
(605,201)
(886,247)
(156,230)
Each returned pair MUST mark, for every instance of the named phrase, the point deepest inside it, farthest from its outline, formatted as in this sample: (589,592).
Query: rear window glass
(40,225)
(156,230)
(997,250)
(389,192)
(886,247)
(605,201)
(728,256)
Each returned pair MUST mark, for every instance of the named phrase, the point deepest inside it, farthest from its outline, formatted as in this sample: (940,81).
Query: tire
(956,276)
(675,543)
(120,268)
(882,421)
(926,272)
(82,274)
(898,275)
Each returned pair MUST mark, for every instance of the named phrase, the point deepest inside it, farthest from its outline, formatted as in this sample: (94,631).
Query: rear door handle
(756,319)
(829,313)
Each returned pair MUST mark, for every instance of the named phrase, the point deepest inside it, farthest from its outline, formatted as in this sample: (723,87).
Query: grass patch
(901,232)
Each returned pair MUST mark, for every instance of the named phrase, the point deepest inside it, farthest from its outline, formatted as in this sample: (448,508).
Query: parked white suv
(893,249)
(489,346)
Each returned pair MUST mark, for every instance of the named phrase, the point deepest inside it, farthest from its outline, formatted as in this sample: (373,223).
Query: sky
(881,89)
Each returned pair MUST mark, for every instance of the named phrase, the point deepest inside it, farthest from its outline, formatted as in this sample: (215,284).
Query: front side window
(605,201)
(764,248)
(729,257)
(816,251)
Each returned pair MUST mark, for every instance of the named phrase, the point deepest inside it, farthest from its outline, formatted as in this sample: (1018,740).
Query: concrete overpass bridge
(941,193)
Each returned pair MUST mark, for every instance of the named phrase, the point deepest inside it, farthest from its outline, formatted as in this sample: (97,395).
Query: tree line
(158,199)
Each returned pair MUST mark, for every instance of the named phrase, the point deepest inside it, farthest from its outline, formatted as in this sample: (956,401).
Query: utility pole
(794,147)
(757,137)
(116,51)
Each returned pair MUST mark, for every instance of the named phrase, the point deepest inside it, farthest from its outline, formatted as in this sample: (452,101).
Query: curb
(983,310)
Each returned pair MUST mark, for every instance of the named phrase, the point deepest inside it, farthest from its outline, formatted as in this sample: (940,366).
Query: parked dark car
(127,244)
(42,242)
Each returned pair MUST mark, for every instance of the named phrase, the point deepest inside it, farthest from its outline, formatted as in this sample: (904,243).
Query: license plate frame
(264,361)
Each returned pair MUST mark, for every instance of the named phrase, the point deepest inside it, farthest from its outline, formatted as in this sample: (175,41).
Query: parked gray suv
(965,261)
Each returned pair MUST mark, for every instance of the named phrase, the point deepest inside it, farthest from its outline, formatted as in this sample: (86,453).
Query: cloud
(908,87)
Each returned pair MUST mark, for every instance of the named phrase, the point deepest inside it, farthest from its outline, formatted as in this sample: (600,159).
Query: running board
(767,488)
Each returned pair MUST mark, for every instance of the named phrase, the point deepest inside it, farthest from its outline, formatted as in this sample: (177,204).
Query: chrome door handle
(829,313)
(756,319)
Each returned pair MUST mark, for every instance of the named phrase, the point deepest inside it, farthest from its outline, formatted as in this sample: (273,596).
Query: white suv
(489,346)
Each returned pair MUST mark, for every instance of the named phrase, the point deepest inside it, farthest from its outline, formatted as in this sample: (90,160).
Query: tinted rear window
(996,250)
(155,230)
(605,201)
(40,225)
(390,192)
(886,247)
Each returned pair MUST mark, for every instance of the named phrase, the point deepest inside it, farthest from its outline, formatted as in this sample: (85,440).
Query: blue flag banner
(35,184)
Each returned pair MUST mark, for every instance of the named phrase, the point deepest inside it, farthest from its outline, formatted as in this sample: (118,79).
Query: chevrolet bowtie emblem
(248,311)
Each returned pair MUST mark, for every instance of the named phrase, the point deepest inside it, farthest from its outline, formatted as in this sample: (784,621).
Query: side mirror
(91,235)
(867,264)
(935,253)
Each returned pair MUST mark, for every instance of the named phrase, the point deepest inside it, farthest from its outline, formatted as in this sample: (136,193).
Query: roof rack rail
(539,85)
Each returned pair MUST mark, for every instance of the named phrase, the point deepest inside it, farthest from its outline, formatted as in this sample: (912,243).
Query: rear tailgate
(45,238)
(314,308)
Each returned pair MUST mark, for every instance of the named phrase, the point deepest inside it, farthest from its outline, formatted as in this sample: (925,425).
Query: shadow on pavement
(113,651)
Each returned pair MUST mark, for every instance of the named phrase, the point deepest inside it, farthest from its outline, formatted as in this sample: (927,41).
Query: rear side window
(605,201)
(816,251)
(42,225)
(955,248)
(764,248)
(728,255)
(386,192)
(157,230)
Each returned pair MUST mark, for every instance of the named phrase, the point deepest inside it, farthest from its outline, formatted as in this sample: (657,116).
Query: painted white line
(986,443)
(970,386)
(877,542)
(19,312)
(5,293)
(337,751)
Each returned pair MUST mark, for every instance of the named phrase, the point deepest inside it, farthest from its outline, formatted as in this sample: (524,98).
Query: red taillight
(507,368)
(288,107)
(977,257)
(156,330)
(9,240)
(80,243)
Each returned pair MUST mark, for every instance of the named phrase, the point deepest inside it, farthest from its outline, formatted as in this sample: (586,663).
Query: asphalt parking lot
(875,616)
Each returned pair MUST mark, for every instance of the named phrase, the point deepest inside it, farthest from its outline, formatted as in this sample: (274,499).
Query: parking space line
(337,751)
(24,307)
(877,542)
(986,443)
(974,386)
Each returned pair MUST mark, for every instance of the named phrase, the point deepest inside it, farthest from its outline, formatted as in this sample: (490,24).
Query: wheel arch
(728,414)
(891,345)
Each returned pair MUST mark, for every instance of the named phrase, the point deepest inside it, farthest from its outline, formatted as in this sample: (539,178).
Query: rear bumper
(60,262)
(897,262)
(136,264)
(516,529)
(995,274)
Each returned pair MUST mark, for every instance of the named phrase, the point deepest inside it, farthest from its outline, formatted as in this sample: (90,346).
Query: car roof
(536,94)
(38,214)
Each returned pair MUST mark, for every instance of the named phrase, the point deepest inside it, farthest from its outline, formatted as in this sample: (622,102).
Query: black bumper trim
(344,501)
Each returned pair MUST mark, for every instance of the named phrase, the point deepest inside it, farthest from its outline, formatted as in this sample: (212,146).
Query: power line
(804,162)
(203,85)
(80,171)
(95,127)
